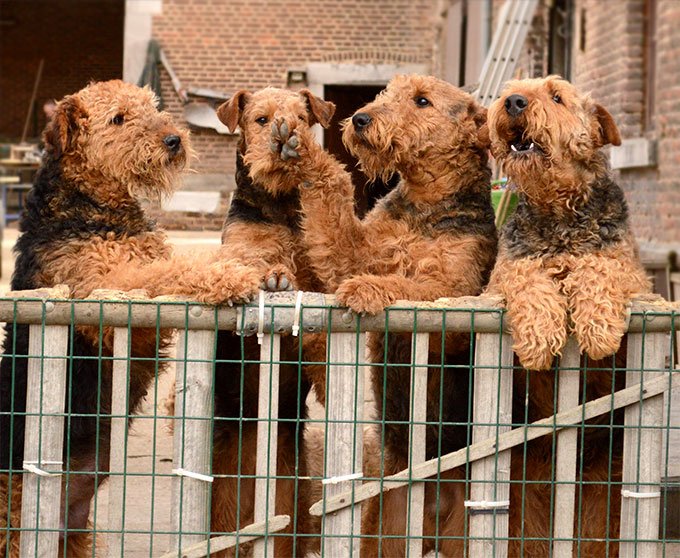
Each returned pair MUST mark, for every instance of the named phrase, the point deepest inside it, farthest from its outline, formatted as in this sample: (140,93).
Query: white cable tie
(342,478)
(260,320)
(640,495)
(296,317)
(486,504)
(32,467)
(192,475)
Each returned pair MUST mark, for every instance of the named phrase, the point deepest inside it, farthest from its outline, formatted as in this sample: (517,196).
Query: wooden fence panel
(416,501)
(344,432)
(119,427)
(267,436)
(492,416)
(193,437)
(44,440)
(640,494)
(566,449)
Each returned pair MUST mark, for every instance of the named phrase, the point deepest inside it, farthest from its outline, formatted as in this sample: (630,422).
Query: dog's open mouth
(520,145)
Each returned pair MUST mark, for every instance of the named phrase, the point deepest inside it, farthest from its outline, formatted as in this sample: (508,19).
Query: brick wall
(612,66)
(79,40)
(250,44)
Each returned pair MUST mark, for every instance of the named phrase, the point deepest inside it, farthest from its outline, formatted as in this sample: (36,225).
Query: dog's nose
(361,120)
(515,105)
(172,143)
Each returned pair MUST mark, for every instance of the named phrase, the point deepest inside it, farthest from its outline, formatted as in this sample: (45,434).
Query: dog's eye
(118,119)
(422,101)
(557,98)
(262,120)
(302,118)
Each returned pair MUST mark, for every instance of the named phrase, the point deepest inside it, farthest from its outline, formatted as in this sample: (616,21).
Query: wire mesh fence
(292,427)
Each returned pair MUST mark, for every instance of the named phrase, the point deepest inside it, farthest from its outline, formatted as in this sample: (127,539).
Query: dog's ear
(478,114)
(230,112)
(62,130)
(608,132)
(320,111)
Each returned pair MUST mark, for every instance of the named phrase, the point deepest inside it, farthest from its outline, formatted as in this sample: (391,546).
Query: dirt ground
(148,498)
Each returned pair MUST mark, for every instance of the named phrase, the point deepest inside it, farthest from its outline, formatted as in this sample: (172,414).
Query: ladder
(514,21)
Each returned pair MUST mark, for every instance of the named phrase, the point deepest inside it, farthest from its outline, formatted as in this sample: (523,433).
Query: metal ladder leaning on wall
(514,21)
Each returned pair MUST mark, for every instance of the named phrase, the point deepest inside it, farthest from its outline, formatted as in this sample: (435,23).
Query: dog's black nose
(361,120)
(515,105)
(172,142)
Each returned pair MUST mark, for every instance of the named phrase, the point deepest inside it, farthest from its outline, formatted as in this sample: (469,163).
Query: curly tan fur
(106,147)
(433,236)
(567,264)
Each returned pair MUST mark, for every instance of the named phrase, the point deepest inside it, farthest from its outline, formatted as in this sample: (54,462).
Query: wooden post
(344,432)
(119,428)
(44,440)
(492,407)
(417,436)
(566,450)
(267,435)
(193,436)
(640,494)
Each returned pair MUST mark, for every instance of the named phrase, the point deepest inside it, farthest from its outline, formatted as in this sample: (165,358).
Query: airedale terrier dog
(433,236)
(262,230)
(567,264)
(106,147)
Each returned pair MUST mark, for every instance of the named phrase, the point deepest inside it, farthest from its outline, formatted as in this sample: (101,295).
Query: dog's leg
(537,310)
(598,288)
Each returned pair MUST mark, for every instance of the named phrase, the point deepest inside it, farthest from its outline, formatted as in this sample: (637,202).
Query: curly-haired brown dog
(431,237)
(263,230)
(84,227)
(567,263)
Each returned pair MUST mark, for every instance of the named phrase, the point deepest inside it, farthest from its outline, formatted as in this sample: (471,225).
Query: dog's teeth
(531,146)
(513,147)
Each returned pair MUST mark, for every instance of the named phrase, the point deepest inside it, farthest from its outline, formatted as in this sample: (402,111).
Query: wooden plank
(267,435)
(417,439)
(119,410)
(566,452)
(192,445)
(492,417)
(170,312)
(508,440)
(44,440)
(642,447)
(250,533)
(344,435)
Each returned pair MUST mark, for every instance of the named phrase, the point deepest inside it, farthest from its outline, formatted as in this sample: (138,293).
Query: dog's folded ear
(478,114)
(320,111)
(230,112)
(607,132)
(64,127)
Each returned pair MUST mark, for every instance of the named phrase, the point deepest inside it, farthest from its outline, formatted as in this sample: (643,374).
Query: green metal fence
(479,497)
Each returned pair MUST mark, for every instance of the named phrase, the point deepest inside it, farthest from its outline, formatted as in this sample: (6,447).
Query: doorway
(347,99)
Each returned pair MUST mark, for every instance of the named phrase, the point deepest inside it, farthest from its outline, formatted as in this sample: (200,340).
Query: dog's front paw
(284,141)
(278,278)
(364,296)
(229,283)
(600,339)
(537,342)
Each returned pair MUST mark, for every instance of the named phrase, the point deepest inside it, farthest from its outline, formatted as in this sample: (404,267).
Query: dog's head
(545,130)
(110,136)
(418,124)
(254,114)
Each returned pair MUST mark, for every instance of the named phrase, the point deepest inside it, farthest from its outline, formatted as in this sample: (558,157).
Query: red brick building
(626,52)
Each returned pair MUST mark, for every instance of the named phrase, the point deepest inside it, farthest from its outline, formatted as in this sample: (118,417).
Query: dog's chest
(597,225)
